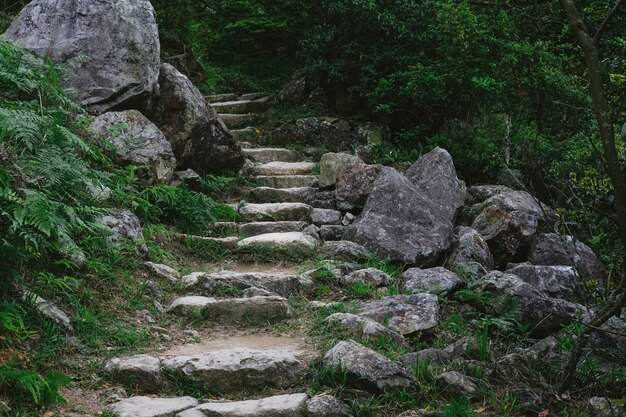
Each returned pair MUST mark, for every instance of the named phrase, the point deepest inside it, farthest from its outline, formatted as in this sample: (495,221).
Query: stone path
(277,215)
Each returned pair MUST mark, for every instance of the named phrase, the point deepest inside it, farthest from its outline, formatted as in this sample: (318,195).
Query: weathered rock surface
(543,314)
(368,369)
(283,284)
(470,247)
(278,406)
(124,225)
(343,249)
(292,240)
(320,217)
(163,271)
(152,407)
(332,232)
(50,310)
(354,184)
(412,230)
(407,315)
(276,212)
(425,356)
(232,309)
(287,181)
(141,372)
(436,280)
(199,138)
(284,168)
(606,407)
(262,228)
(364,327)
(521,201)
(327,406)
(265,155)
(331,163)
(304,195)
(554,281)
(238,369)
(370,276)
(434,174)
(112,48)
(455,384)
(135,140)
(552,249)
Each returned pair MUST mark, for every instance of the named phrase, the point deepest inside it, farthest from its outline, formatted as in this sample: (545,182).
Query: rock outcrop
(111,47)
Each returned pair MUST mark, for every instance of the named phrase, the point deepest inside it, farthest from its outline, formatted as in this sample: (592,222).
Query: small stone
(455,384)
(407,315)
(194,334)
(344,250)
(164,271)
(145,316)
(257,292)
(141,372)
(152,407)
(331,163)
(348,219)
(327,406)
(365,328)
(321,217)
(371,276)
(434,280)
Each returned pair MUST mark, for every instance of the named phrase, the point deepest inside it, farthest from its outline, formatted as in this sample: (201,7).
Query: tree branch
(607,20)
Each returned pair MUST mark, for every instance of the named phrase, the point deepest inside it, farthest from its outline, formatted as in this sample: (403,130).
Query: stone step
(287,405)
(254,96)
(247,134)
(236,121)
(220,98)
(276,212)
(239,369)
(286,181)
(290,240)
(242,106)
(261,228)
(152,407)
(232,310)
(223,242)
(279,283)
(304,195)
(284,168)
(266,155)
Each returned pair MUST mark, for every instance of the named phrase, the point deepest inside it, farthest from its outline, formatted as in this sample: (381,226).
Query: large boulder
(400,223)
(135,140)
(111,47)
(555,281)
(200,139)
(552,249)
(354,184)
(435,176)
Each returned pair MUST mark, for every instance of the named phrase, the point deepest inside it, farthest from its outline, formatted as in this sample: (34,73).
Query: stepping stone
(142,372)
(246,134)
(278,406)
(235,121)
(261,228)
(321,217)
(241,106)
(304,195)
(287,181)
(220,98)
(254,96)
(283,284)
(239,369)
(224,242)
(152,407)
(232,309)
(276,212)
(291,240)
(405,314)
(265,155)
(284,168)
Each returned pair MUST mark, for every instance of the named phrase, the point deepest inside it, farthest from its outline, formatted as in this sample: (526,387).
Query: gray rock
(371,276)
(297,241)
(163,271)
(135,140)
(465,347)
(327,406)
(289,405)
(606,407)
(312,231)
(276,212)
(455,384)
(232,309)
(141,372)
(543,314)
(331,163)
(399,223)
(508,235)
(199,138)
(124,225)
(152,407)
(304,195)
(354,184)
(479,193)
(521,201)
(470,247)
(265,155)
(297,89)
(426,356)
(367,369)
(283,284)
(407,315)
(612,338)
(435,176)
(321,217)
(332,233)
(552,249)
(111,48)
(50,310)
(343,250)
(261,228)
(283,168)
(554,281)
(239,369)
(348,219)
(364,327)
(188,177)
(257,292)
(434,280)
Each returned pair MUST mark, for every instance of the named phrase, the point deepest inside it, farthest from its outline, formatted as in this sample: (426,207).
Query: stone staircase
(276,215)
